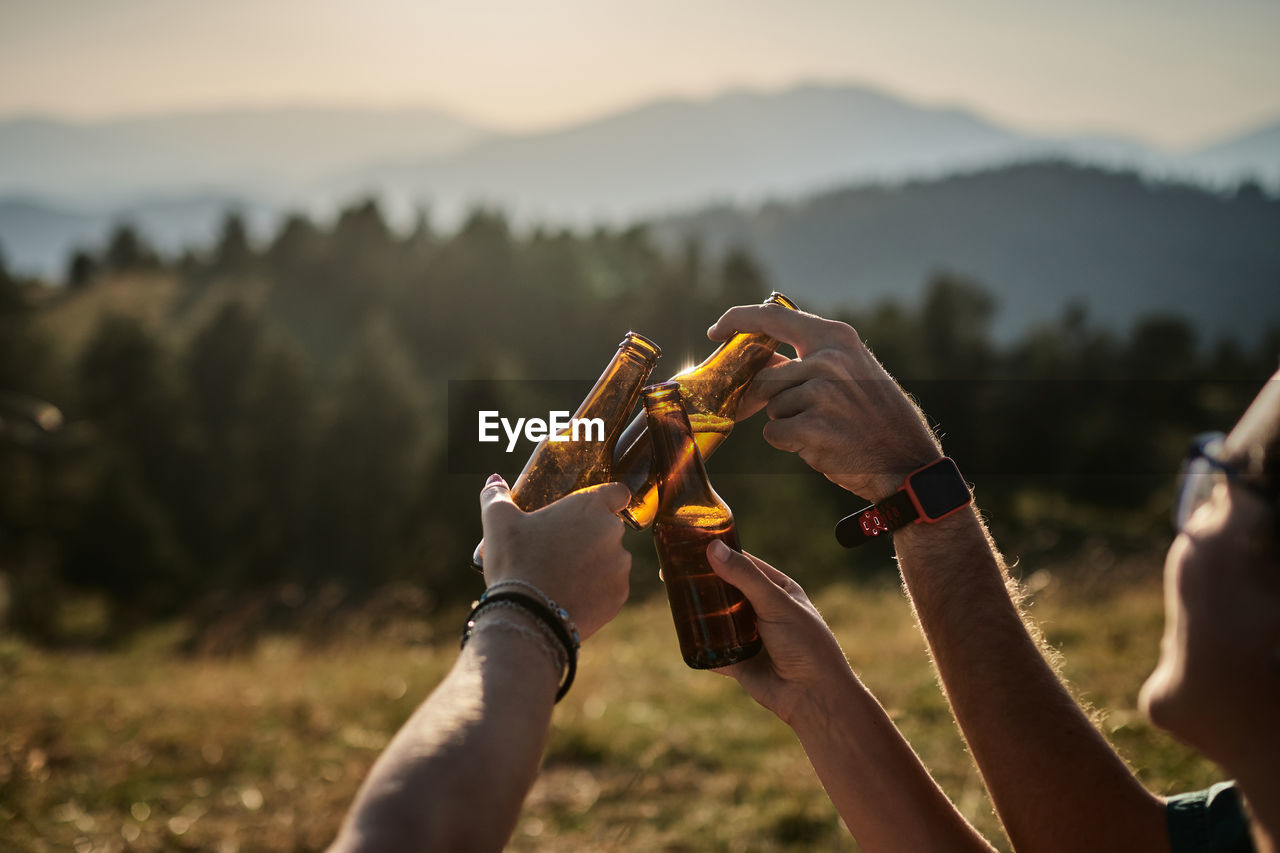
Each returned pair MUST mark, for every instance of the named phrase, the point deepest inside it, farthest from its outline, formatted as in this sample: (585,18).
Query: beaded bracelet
(537,633)
(544,614)
(548,639)
(546,599)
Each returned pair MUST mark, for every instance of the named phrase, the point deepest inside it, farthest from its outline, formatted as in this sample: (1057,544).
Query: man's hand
(571,549)
(834,404)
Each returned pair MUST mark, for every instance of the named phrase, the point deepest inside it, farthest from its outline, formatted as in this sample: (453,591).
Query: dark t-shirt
(1208,821)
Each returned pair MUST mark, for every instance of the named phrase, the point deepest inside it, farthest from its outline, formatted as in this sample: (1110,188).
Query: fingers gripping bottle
(715,623)
(711,393)
(575,461)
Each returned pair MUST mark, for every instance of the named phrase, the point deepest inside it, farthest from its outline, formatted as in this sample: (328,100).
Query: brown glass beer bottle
(714,622)
(711,392)
(556,468)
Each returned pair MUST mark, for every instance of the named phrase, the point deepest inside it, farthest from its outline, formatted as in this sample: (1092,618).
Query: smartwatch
(929,494)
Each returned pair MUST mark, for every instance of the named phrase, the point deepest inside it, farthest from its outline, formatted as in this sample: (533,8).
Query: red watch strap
(897,510)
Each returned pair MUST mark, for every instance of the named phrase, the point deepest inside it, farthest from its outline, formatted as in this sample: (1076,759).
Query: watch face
(940,488)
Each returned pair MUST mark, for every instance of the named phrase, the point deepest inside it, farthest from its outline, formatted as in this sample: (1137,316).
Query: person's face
(1217,683)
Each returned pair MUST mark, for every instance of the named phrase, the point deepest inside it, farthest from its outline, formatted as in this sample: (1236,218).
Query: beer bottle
(556,468)
(711,393)
(714,621)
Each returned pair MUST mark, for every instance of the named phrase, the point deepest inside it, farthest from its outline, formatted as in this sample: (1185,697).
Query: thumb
(495,501)
(612,496)
(737,569)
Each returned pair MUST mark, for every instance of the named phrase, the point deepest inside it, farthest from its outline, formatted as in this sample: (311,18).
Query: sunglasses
(1202,469)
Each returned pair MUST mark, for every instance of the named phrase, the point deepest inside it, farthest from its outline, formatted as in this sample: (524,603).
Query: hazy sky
(1171,71)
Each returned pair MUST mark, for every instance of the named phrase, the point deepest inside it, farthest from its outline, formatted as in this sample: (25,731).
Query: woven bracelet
(494,618)
(546,599)
(545,615)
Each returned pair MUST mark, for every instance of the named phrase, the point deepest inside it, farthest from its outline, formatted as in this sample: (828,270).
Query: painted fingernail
(493,478)
(719,550)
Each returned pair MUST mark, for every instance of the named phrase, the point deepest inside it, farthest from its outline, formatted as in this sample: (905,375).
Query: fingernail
(720,551)
(493,478)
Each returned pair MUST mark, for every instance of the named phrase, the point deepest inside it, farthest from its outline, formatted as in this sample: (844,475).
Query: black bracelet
(544,614)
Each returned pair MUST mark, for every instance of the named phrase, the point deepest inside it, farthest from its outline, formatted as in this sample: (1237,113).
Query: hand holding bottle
(571,549)
(556,468)
(834,404)
(801,656)
(711,392)
(714,622)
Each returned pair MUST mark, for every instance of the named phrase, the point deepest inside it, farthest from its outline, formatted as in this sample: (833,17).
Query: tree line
(280,435)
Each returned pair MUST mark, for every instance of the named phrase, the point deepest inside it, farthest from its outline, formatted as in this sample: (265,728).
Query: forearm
(1056,783)
(875,780)
(456,774)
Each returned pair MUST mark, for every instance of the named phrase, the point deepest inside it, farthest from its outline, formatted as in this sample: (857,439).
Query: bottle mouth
(662,392)
(642,345)
(780,298)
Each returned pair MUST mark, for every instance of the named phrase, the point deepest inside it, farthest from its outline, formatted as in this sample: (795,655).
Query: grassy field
(143,749)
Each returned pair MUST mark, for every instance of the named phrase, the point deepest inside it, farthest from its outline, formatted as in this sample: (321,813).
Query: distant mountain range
(64,184)
(748,147)
(1253,155)
(738,146)
(1038,236)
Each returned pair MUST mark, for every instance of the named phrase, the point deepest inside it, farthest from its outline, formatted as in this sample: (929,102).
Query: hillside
(635,742)
(1038,236)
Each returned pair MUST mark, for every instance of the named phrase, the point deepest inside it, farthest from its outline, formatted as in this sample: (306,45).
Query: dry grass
(141,749)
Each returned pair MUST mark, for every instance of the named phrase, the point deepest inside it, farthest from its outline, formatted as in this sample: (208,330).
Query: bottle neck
(717,384)
(614,396)
(682,476)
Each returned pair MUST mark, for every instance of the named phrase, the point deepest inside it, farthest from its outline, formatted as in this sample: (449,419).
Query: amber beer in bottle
(711,393)
(714,622)
(556,468)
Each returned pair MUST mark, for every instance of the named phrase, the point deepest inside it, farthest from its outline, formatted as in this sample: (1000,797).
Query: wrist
(515,634)
(884,486)
(522,586)
(951,547)
(890,476)
(946,530)
(927,495)
(555,631)
(815,709)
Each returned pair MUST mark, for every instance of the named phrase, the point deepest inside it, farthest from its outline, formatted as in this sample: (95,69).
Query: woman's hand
(800,654)
(571,549)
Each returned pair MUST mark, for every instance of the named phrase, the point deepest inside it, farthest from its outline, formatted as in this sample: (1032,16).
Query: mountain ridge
(783,142)
(1039,236)
(781,152)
